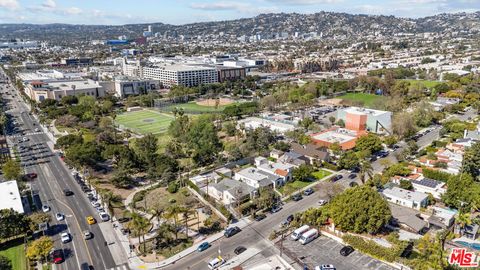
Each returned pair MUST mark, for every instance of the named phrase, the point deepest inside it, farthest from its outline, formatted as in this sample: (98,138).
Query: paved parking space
(324,250)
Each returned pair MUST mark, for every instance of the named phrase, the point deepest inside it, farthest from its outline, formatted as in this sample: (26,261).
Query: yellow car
(91,220)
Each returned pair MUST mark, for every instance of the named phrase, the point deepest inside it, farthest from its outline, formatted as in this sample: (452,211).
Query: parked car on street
(203,246)
(308,191)
(231,231)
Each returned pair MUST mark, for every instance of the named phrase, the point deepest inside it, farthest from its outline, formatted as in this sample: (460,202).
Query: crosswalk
(27,134)
(120,267)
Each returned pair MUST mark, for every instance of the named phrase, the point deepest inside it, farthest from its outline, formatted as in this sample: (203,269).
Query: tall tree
(147,148)
(40,248)
(366,170)
(172,212)
(11,169)
(369,142)
(471,161)
(139,225)
(360,210)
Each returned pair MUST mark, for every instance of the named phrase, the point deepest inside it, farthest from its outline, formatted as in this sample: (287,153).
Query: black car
(67,192)
(352,176)
(346,250)
(336,178)
(287,221)
(123,219)
(260,217)
(297,197)
(353,184)
(231,231)
(239,250)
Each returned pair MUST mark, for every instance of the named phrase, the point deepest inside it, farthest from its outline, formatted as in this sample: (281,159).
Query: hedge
(193,186)
(436,174)
(373,249)
(329,166)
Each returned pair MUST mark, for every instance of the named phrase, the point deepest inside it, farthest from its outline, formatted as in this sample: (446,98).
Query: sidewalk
(134,262)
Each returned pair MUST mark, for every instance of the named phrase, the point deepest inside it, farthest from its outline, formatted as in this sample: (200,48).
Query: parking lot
(324,250)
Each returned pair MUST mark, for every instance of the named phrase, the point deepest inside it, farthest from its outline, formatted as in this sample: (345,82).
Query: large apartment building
(180,74)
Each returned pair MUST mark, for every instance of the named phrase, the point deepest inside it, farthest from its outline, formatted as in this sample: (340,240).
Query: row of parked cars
(93,200)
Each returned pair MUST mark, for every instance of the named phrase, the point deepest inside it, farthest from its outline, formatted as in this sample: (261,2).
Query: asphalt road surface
(53,178)
(253,236)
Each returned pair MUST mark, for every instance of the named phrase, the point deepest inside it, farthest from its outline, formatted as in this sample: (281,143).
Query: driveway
(324,250)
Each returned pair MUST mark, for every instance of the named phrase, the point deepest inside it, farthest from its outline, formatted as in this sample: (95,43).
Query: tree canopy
(11,169)
(360,210)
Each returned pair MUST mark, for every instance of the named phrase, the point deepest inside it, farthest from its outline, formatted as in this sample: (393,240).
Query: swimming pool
(475,246)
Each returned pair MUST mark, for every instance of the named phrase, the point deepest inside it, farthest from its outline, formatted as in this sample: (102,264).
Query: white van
(298,232)
(308,236)
(216,263)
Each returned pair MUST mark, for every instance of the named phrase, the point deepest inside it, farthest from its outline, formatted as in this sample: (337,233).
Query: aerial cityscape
(253,135)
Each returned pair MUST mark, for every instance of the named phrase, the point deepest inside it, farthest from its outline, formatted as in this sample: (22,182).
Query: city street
(253,236)
(53,178)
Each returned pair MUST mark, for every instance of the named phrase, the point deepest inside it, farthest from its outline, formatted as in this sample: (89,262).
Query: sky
(189,11)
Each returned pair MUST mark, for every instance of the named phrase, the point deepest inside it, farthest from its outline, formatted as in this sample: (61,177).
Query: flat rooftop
(10,196)
(79,85)
(405,194)
(335,136)
(358,110)
(182,67)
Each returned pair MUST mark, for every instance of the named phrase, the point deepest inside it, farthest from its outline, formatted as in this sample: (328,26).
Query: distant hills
(328,23)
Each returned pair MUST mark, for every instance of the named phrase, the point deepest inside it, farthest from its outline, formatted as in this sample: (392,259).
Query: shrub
(373,249)
(173,187)
(139,196)
(330,166)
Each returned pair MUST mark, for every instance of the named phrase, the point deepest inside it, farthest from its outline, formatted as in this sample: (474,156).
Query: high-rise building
(180,74)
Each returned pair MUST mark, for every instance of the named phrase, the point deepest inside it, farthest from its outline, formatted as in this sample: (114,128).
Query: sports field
(367,99)
(193,107)
(145,121)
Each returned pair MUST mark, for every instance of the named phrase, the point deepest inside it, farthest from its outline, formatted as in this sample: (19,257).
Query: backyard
(145,121)
(15,252)
(368,100)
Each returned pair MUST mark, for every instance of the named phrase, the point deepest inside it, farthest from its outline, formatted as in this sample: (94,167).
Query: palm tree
(463,220)
(156,211)
(366,169)
(172,213)
(186,212)
(140,226)
(108,198)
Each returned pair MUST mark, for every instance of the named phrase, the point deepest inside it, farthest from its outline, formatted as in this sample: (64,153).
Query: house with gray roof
(229,191)
(408,219)
(257,178)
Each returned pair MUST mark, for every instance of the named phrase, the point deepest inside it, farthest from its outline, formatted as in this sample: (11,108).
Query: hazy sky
(187,11)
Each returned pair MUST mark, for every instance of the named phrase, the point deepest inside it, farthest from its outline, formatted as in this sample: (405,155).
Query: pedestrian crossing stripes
(120,267)
(27,134)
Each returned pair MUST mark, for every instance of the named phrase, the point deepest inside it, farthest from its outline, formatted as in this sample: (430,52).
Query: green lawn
(367,99)
(14,251)
(145,121)
(321,174)
(426,83)
(193,107)
(298,185)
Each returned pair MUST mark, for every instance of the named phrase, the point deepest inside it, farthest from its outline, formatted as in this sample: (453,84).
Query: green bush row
(373,249)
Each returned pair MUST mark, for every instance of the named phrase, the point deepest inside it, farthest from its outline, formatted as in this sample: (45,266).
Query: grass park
(145,121)
(368,100)
(14,251)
